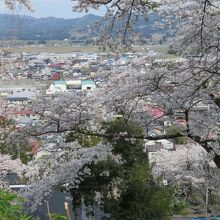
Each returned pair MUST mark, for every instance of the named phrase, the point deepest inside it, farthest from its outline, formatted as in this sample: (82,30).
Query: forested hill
(30,28)
(51,28)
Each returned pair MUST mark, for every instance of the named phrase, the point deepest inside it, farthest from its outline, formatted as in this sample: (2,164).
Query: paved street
(181,218)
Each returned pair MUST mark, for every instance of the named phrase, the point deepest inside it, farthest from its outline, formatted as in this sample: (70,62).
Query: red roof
(154,111)
(24,112)
(57,65)
(55,76)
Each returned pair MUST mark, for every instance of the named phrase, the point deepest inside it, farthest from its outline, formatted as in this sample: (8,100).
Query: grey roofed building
(153,147)
(17,99)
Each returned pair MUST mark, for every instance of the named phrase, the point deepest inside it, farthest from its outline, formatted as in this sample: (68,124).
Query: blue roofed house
(63,86)
(87,85)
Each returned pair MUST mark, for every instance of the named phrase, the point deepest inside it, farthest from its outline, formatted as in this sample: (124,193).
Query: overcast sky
(55,8)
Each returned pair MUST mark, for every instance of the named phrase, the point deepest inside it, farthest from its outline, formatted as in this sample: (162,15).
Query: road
(181,218)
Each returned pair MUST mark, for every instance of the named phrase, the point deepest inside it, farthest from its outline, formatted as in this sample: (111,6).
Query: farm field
(52,49)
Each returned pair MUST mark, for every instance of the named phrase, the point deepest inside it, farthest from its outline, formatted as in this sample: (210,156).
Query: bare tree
(12,4)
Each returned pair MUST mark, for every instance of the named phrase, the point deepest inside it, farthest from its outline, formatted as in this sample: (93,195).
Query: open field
(52,49)
(159,48)
(64,49)
(18,83)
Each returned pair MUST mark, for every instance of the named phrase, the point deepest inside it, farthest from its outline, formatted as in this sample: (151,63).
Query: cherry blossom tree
(187,161)
(190,172)
(64,168)
(182,85)
(7,166)
(125,12)
(186,86)
(12,4)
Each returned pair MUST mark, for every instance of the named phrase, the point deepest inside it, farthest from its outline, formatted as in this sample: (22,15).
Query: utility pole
(207,198)
(207,175)
(66,206)
(48,210)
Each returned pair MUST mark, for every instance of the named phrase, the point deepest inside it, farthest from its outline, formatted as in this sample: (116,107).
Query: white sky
(48,8)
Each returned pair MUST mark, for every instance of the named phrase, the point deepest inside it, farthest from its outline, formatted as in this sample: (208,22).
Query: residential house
(88,85)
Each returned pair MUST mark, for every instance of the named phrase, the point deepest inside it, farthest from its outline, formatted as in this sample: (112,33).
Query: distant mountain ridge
(52,28)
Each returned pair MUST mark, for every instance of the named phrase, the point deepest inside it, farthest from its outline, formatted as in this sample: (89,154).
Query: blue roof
(59,82)
(88,82)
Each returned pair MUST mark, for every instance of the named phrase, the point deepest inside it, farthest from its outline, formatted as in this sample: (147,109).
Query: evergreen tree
(123,182)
